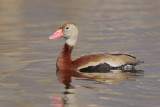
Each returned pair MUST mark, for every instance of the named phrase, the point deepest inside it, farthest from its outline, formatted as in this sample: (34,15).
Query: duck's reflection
(113,77)
(65,77)
(69,99)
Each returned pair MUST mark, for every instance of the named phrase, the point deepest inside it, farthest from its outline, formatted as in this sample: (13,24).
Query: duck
(94,62)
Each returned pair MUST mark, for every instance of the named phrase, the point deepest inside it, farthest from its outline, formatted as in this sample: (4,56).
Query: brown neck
(64,60)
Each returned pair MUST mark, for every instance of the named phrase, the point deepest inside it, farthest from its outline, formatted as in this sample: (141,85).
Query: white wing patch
(90,64)
(114,63)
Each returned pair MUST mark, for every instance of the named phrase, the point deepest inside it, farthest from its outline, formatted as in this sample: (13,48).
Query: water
(27,59)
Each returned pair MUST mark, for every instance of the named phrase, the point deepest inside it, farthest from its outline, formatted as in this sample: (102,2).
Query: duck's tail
(139,62)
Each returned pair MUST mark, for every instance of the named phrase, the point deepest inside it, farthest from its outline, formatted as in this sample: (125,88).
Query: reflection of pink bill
(57,101)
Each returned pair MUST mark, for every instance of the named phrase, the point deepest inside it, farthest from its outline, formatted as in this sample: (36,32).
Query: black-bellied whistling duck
(93,62)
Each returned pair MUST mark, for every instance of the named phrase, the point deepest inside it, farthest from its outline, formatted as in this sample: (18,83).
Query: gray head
(69,31)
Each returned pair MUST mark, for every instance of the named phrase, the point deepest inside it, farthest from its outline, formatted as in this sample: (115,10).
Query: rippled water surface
(28,60)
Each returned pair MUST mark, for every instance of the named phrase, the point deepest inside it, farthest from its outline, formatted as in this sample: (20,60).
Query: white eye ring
(67,27)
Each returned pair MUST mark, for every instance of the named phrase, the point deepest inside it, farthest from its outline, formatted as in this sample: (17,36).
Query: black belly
(101,68)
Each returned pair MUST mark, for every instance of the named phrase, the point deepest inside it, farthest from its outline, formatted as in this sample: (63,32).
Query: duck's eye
(67,27)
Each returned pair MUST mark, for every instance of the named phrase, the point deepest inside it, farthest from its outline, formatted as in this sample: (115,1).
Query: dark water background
(27,59)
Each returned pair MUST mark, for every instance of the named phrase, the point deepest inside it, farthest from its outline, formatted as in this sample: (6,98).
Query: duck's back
(104,61)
